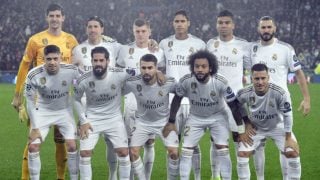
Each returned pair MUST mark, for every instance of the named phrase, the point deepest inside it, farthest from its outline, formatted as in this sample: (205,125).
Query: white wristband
(241,129)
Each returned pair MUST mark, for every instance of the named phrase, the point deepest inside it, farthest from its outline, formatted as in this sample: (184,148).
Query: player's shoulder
(84,77)
(212,40)
(69,67)
(134,79)
(195,38)
(107,39)
(245,90)
(185,78)
(284,44)
(35,71)
(220,78)
(116,69)
(170,79)
(277,89)
(240,39)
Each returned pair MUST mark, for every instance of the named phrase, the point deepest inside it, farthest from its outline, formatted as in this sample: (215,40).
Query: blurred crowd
(298,22)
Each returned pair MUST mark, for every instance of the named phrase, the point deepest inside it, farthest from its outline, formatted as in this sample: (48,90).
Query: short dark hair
(259,67)
(267,18)
(96,18)
(102,50)
(183,13)
(212,60)
(51,49)
(149,58)
(141,22)
(226,13)
(55,7)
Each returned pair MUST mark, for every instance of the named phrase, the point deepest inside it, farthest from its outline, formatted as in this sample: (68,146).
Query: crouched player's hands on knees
(168,128)
(34,134)
(84,130)
(291,143)
(23,115)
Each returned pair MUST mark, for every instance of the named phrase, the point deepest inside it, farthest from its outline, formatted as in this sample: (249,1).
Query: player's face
(141,34)
(52,63)
(225,26)
(55,19)
(148,71)
(266,30)
(260,81)
(94,30)
(201,69)
(181,24)
(99,64)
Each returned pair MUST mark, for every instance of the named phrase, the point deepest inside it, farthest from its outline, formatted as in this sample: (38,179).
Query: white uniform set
(153,110)
(176,62)
(129,57)
(81,54)
(279,57)
(103,108)
(271,114)
(49,101)
(232,58)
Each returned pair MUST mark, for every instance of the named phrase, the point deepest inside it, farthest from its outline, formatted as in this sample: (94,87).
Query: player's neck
(55,32)
(226,38)
(266,43)
(94,41)
(181,36)
(142,44)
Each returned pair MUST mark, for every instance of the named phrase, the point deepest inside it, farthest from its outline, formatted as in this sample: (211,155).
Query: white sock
(284,166)
(294,168)
(243,168)
(196,163)
(185,163)
(215,167)
(34,165)
(112,160)
(223,156)
(138,169)
(85,168)
(173,168)
(148,159)
(259,161)
(124,167)
(73,165)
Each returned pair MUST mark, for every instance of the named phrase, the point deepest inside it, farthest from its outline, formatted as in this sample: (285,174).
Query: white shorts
(182,117)
(142,133)
(115,133)
(63,119)
(278,136)
(196,127)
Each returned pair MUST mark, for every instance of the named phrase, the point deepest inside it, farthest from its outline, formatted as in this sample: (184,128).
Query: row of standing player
(176,58)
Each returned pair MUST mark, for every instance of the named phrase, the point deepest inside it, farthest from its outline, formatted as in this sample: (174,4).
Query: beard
(201,77)
(99,71)
(147,78)
(266,36)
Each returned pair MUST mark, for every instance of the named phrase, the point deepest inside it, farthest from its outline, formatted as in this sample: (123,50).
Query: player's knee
(244,153)
(150,142)
(291,154)
(71,145)
(58,137)
(85,153)
(219,146)
(34,147)
(122,152)
(173,153)
(134,153)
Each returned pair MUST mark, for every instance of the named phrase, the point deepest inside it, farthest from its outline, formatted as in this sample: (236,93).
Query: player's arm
(170,126)
(305,104)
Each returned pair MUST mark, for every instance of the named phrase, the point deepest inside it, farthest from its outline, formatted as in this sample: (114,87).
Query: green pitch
(14,137)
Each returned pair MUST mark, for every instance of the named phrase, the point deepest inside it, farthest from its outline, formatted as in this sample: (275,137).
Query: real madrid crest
(160,93)
(255,48)
(170,44)
(84,50)
(216,44)
(113,86)
(191,50)
(212,93)
(131,51)
(252,100)
(234,51)
(45,41)
(92,86)
(43,80)
(67,45)
(139,89)
(274,57)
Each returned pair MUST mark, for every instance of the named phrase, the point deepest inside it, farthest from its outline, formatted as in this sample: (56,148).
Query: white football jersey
(279,57)
(50,92)
(267,111)
(152,100)
(232,57)
(176,55)
(103,96)
(81,54)
(205,99)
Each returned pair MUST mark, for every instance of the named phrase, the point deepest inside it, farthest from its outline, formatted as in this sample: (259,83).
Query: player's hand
(305,107)
(23,115)
(84,130)
(16,102)
(153,46)
(168,128)
(245,139)
(161,78)
(250,130)
(290,143)
(34,134)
